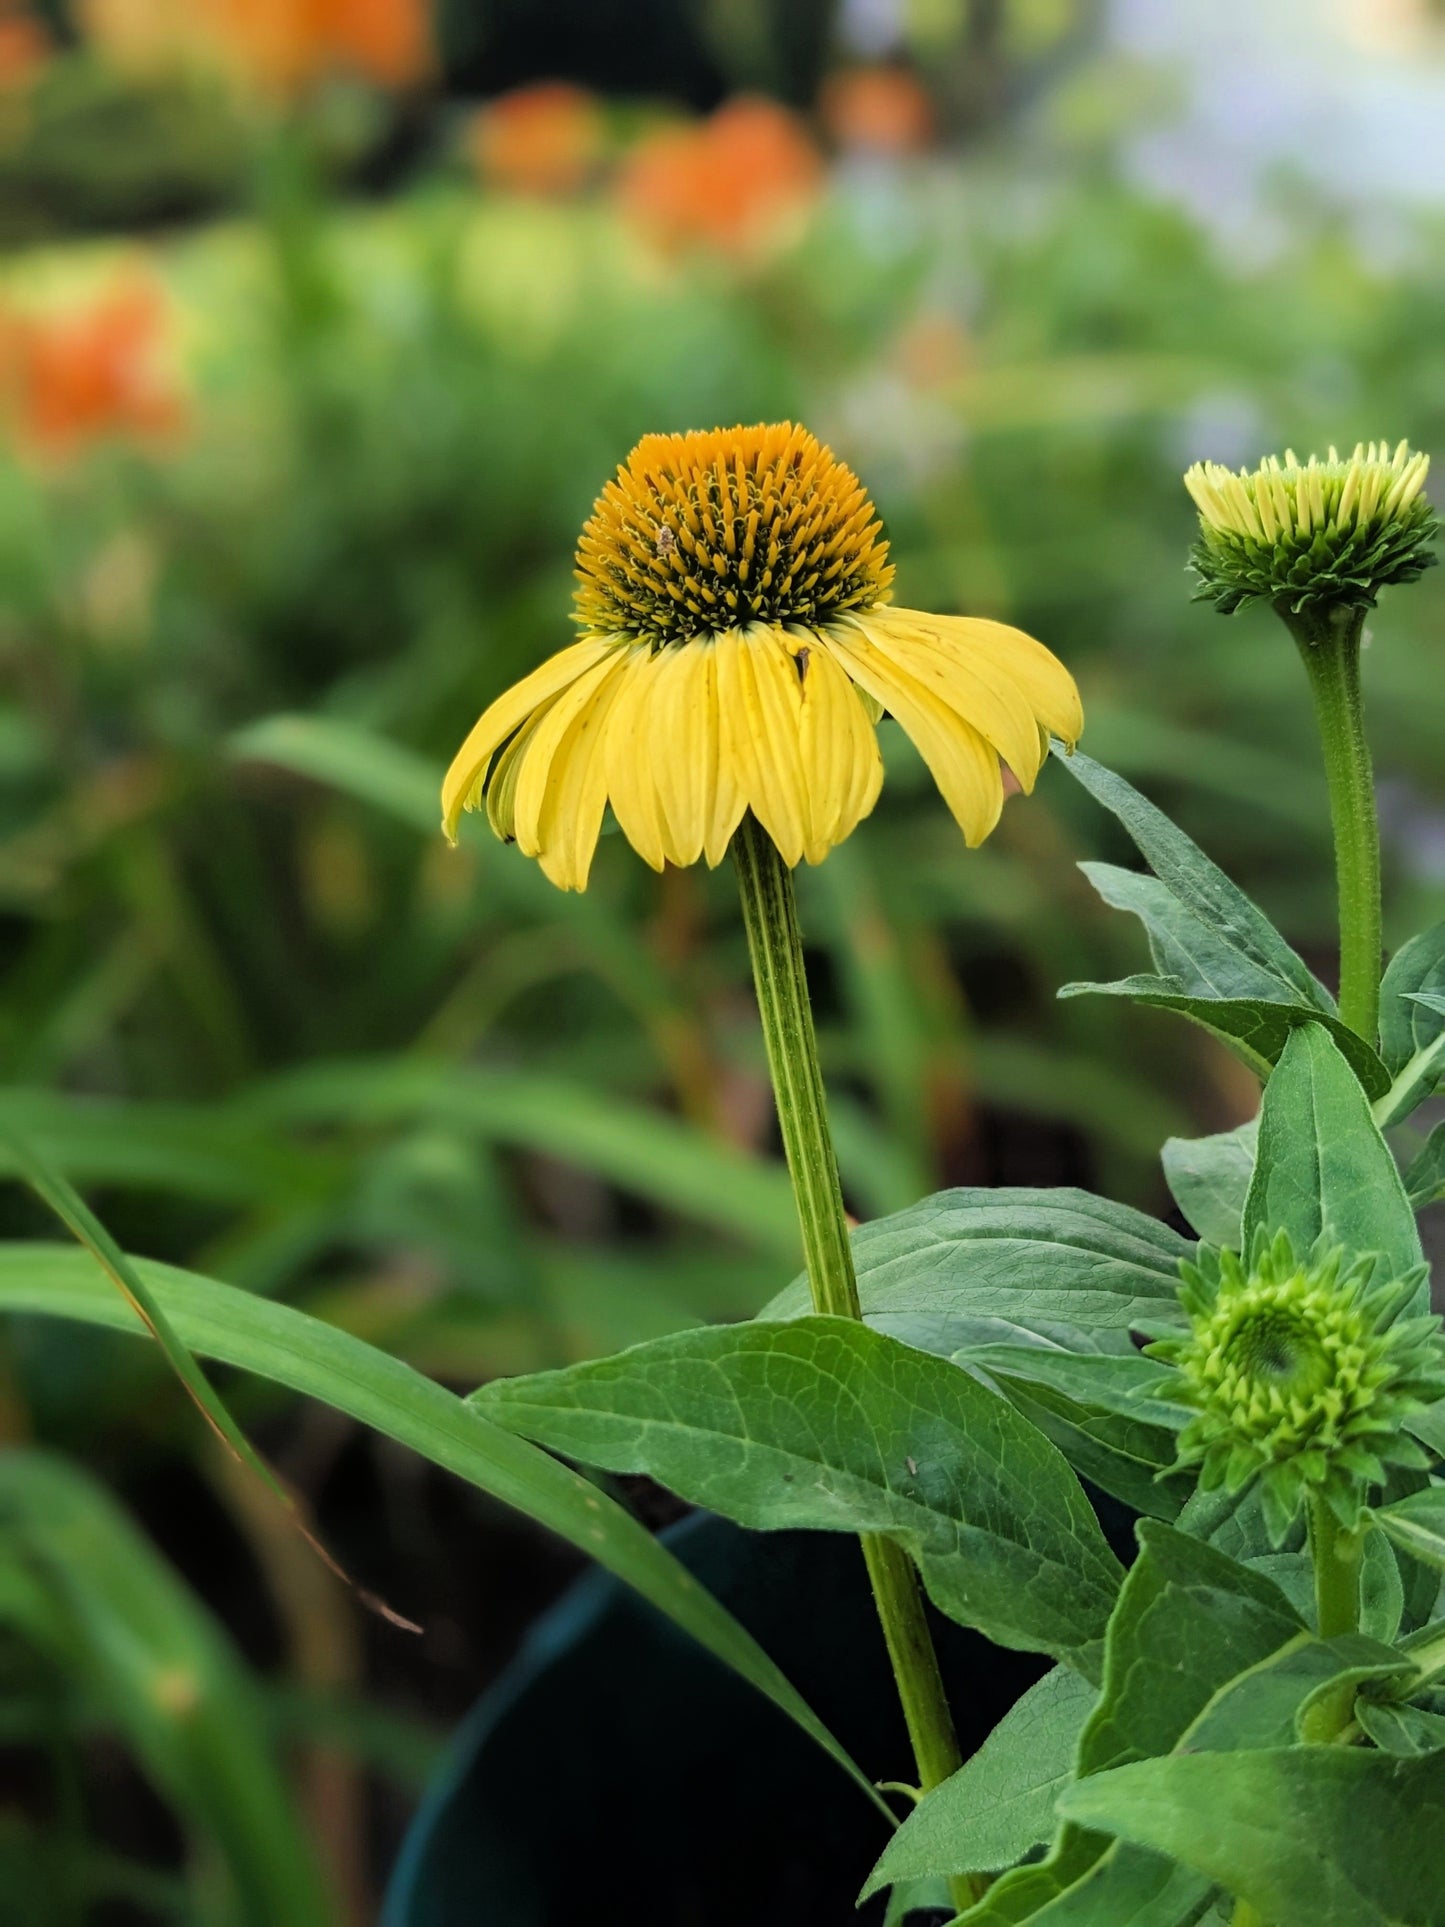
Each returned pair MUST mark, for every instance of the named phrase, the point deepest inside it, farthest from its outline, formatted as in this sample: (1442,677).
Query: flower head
(737,650)
(1321,534)
(740,182)
(1300,1373)
(542,140)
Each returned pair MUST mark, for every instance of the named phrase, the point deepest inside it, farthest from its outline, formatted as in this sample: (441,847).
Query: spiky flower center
(1284,1362)
(720,527)
(1325,532)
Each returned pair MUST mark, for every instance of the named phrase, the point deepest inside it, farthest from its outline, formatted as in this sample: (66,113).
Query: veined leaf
(1199,886)
(828,1425)
(1200,957)
(1269,1704)
(1407,1731)
(285,1346)
(1323,1169)
(1417,1523)
(1409,1022)
(1310,1836)
(1001,1802)
(1256,1030)
(967,1266)
(1209,1180)
(1425,1179)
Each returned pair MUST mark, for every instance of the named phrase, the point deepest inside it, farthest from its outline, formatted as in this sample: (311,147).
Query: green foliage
(826,1424)
(1307,1834)
(1000,1805)
(307,1356)
(85,1587)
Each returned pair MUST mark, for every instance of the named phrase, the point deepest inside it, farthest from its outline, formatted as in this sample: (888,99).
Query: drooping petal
(759,702)
(544,766)
(683,739)
(627,757)
(570,819)
(842,766)
(1046,686)
(725,806)
(938,651)
(964,766)
(502,783)
(462,786)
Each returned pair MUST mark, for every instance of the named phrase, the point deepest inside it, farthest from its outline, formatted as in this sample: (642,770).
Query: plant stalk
(776,948)
(1337,1556)
(1329,646)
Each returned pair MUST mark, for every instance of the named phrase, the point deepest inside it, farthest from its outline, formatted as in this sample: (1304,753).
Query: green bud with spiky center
(1301,1374)
(1311,536)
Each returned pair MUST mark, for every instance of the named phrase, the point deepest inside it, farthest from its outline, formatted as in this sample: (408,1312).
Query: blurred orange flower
(25,47)
(544,140)
(739,181)
(879,110)
(93,371)
(279,47)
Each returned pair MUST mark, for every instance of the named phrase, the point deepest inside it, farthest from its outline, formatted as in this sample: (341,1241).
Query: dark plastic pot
(618,1776)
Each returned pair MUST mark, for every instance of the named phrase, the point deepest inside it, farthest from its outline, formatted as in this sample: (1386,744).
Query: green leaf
(1421,1074)
(1425,1179)
(1269,1703)
(288,1348)
(1100,1410)
(1409,1023)
(1198,955)
(827,1425)
(345,756)
(120,1625)
(1323,1168)
(1417,1523)
(1001,1803)
(1310,1836)
(1404,1730)
(1188,1619)
(1256,1031)
(658,1157)
(1200,887)
(1122,1887)
(1209,1180)
(970,1265)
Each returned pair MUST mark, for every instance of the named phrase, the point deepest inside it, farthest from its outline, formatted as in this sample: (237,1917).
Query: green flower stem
(1329,647)
(1337,1556)
(770,913)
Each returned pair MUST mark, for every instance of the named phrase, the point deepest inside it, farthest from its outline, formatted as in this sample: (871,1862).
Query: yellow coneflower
(738,649)
(1329,533)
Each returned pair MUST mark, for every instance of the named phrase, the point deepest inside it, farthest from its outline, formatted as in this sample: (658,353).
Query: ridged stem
(776,948)
(1329,646)
(1337,1556)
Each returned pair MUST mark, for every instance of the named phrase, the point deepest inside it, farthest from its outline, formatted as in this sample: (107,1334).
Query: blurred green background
(321,325)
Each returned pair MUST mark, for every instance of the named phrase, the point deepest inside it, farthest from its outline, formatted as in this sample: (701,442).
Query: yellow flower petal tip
(1325,533)
(739,648)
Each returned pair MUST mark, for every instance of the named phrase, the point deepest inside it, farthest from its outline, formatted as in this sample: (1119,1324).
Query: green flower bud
(1300,1374)
(1314,535)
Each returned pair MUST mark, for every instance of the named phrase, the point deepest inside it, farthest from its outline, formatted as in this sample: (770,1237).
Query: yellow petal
(627,757)
(1045,684)
(760,703)
(570,819)
(543,764)
(725,806)
(461,788)
(964,767)
(502,783)
(682,713)
(937,651)
(842,767)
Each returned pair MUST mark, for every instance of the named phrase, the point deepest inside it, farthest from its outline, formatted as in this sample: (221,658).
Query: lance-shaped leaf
(1425,1179)
(1209,1179)
(304,1354)
(825,1424)
(1323,1170)
(1417,1523)
(1310,1836)
(1409,1021)
(1406,1730)
(1255,1029)
(1214,918)
(1001,1802)
(971,1265)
